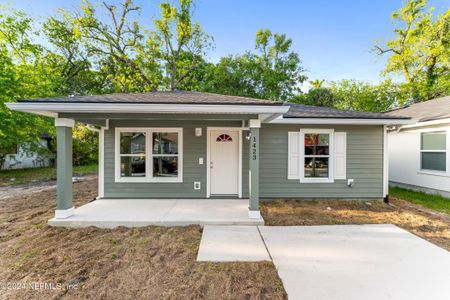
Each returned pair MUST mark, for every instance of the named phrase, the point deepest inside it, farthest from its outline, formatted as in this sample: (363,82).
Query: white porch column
(253,176)
(64,204)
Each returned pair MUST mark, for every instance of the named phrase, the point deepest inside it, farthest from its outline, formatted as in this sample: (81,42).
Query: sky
(333,38)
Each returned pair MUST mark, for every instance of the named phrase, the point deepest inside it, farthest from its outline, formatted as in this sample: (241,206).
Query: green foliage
(354,95)
(432,201)
(420,52)
(273,72)
(115,43)
(85,146)
(23,73)
(317,96)
(23,176)
(363,96)
(178,42)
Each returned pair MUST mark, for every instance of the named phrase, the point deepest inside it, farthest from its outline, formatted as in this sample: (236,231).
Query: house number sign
(253,147)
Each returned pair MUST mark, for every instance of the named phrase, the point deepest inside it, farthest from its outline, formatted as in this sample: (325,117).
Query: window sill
(317,180)
(434,173)
(145,180)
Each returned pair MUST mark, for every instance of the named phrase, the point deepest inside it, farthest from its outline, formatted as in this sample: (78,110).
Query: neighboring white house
(419,154)
(20,159)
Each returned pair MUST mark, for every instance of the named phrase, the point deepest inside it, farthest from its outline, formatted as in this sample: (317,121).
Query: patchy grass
(127,263)
(434,227)
(25,176)
(435,202)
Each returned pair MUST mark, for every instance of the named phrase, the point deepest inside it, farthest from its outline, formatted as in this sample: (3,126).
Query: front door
(224,162)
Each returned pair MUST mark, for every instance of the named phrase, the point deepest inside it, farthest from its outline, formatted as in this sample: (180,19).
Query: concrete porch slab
(231,243)
(110,213)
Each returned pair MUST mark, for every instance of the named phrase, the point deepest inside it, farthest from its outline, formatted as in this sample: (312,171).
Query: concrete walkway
(232,243)
(110,213)
(344,261)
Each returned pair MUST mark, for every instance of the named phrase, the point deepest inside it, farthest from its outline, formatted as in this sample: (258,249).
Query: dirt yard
(425,223)
(149,262)
(157,262)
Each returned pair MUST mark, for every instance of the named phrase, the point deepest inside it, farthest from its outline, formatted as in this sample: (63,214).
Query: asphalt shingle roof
(309,111)
(183,97)
(175,97)
(430,110)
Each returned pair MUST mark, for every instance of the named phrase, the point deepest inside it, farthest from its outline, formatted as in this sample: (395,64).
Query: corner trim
(254,123)
(64,122)
(64,213)
(254,214)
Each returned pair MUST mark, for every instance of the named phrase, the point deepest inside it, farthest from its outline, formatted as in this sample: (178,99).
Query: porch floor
(110,213)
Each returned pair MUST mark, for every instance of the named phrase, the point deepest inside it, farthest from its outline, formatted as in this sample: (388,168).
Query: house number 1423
(254,152)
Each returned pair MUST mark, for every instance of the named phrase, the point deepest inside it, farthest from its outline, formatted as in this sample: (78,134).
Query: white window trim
(446,151)
(301,155)
(148,155)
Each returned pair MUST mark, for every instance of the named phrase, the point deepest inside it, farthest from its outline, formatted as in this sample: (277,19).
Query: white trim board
(338,121)
(148,155)
(51,109)
(208,158)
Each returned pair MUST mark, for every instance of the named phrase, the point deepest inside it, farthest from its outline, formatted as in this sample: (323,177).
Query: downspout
(385,165)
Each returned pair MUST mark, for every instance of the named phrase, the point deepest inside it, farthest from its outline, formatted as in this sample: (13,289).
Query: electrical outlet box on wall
(197,185)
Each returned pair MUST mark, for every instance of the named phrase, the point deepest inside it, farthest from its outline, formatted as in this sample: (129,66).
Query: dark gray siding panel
(364,165)
(193,148)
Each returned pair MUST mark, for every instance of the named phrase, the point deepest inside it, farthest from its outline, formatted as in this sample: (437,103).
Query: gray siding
(364,165)
(193,148)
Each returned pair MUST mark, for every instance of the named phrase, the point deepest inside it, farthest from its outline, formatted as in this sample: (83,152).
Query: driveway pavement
(344,261)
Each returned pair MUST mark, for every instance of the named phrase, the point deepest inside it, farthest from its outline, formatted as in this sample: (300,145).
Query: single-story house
(419,153)
(190,145)
(19,157)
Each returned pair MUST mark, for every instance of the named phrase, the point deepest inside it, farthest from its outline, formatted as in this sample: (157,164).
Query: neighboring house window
(148,154)
(433,152)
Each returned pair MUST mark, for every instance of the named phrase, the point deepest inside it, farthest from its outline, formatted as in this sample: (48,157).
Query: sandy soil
(91,263)
(425,223)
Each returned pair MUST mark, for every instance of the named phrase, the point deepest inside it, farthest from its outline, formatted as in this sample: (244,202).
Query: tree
(119,45)
(316,84)
(280,69)
(316,96)
(363,96)
(70,59)
(178,42)
(421,50)
(273,72)
(23,73)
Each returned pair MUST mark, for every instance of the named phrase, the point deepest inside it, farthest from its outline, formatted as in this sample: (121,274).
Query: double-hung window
(316,155)
(433,151)
(149,155)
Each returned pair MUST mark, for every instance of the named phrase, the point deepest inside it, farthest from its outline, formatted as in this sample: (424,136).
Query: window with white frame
(149,154)
(316,155)
(433,146)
